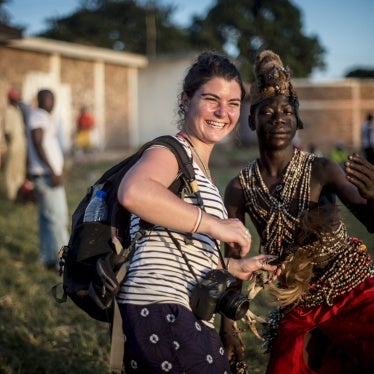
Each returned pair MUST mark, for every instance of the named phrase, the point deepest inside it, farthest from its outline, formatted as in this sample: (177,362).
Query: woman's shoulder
(182,141)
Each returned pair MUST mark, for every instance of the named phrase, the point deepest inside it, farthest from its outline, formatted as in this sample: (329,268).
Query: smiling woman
(181,251)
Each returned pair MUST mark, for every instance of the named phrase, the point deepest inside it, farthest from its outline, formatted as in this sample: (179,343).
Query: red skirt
(336,339)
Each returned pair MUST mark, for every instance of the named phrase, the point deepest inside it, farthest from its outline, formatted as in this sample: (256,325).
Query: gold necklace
(206,170)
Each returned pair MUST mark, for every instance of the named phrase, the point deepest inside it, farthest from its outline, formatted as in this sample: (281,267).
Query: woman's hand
(231,231)
(244,268)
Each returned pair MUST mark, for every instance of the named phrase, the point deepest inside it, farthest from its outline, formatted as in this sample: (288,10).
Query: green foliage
(37,335)
(244,27)
(360,73)
(239,28)
(121,25)
(4,14)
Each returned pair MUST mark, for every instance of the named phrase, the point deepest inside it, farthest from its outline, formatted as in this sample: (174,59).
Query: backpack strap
(185,163)
(117,344)
(117,341)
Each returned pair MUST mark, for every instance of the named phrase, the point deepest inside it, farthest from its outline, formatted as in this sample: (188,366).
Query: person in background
(326,291)
(312,148)
(367,138)
(3,148)
(162,332)
(26,110)
(85,127)
(16,154)
(339,154)
(46,162)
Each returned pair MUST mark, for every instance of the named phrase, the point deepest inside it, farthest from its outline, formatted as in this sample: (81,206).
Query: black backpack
(95,261)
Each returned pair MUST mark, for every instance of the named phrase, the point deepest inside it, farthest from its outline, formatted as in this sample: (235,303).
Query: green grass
(37,335)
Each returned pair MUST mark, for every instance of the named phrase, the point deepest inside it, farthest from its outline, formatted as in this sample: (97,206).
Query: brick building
(333,112)
(106,81)
(134,99)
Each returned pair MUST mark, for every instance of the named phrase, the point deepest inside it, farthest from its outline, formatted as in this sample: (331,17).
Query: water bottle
(97,209)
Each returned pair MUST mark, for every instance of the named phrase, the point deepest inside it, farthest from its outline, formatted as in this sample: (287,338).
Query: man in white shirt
(46,162)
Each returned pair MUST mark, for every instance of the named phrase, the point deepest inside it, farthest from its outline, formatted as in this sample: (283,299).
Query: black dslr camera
(214,295)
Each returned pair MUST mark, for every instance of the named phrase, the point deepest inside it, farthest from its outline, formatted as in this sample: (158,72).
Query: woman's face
(213,111)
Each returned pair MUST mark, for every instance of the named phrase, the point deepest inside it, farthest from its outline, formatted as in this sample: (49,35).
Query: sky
(345,28)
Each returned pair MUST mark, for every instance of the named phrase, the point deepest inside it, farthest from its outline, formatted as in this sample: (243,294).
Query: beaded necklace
(350,266)
(340,262)
(206,169)
(273,212)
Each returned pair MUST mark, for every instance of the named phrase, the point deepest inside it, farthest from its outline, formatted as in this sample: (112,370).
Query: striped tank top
(158,273)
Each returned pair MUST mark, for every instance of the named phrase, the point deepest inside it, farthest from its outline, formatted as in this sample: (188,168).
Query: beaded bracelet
(198,220)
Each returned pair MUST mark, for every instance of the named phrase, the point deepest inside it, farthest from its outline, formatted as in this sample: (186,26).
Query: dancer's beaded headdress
(272,79)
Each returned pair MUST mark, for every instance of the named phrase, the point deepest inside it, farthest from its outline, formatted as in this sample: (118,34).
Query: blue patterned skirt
(168,338)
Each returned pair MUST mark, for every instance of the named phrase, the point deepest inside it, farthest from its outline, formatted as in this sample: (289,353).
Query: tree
(121,25)
(361,73)
(243,27)
(4,15)
(239,28)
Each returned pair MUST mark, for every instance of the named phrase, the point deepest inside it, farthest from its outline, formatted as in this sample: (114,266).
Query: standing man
(46,163)
(367,134)
(16,155)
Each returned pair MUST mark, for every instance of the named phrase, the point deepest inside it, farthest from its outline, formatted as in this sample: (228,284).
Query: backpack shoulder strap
(185,162)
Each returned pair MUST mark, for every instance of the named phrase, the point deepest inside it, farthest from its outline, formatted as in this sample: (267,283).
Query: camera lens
(233,305)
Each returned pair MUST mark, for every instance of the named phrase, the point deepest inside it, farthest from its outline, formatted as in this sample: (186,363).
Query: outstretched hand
(361,173)
(246,267)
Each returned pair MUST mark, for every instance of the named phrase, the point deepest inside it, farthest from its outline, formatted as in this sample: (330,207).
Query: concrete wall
(333,112)
(134,100)
(104,80)
(160,83)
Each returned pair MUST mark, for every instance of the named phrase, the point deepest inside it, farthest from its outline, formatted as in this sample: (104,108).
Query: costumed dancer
(326,320)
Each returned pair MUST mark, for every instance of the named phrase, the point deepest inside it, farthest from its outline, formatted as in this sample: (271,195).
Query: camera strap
(177,244)
(197,193)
